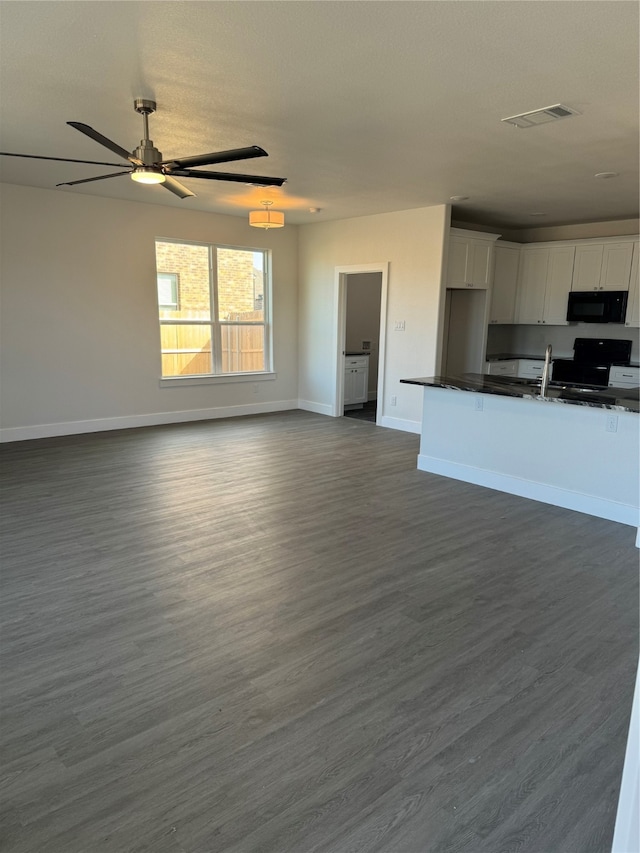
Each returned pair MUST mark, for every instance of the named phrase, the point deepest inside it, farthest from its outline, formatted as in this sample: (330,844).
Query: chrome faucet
(546,370)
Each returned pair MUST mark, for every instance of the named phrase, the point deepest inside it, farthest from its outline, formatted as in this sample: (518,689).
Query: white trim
(317,408)
(134,421)
(626,835)
(400,424)
(340,330)
(467,232)
(211,379)
(579,241)
(600,507)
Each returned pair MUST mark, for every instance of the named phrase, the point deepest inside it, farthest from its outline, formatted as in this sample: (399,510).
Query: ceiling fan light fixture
(266,218)
(147,175)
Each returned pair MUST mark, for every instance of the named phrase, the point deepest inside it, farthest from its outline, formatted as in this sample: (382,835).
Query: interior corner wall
(79,333)
(412,242)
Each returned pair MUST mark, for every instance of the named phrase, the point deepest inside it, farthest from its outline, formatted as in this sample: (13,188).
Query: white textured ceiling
(365,107)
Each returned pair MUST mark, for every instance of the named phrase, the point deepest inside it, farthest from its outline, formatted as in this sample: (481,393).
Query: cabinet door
(458,262)
(505,282)
(616,266)
(633,305)
(348,387)
(532,285)
(559,277)
(479,263)
(587,267)
(360,382)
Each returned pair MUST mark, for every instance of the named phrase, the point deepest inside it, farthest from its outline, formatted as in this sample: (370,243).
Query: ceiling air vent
(542,116)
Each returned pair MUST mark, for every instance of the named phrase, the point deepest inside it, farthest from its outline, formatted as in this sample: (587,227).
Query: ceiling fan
(148,167)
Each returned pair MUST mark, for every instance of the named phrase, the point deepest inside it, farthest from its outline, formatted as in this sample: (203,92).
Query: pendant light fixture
(266,218)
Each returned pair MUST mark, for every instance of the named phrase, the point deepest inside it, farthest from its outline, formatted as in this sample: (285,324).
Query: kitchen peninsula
(577,449)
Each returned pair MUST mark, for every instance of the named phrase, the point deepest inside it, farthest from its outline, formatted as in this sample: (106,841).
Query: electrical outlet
(394,400)
(366,345)
(479,404)
(612,423)
(255,387)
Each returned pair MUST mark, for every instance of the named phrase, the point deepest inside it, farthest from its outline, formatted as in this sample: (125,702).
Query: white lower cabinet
(624,377)
(529,368)
(356,380)
(508,367)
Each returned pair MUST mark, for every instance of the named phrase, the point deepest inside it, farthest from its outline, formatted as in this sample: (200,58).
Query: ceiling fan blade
(99,178)
(219,157)
(176,188)
(102,140)
(60,159)
(258,180)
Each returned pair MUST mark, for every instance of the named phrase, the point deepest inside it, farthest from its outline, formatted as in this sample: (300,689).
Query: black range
(591,362)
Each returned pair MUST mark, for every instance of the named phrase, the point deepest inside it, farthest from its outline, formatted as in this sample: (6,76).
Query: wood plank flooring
(274,635)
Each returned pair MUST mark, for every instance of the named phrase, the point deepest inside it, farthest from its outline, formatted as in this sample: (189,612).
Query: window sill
(176,381)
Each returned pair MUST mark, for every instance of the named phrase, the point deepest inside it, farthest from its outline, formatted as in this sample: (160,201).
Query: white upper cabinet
(505,282)
(633,305)
(559,277)
(602,266)
(616,266)
(470,260)
(544,285)
(587,267)
(532,285)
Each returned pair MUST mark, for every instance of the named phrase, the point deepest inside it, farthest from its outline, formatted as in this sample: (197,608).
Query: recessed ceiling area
(365,107)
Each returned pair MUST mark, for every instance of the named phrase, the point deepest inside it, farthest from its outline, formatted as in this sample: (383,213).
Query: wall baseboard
(589,504)
(132,421)
(399,423)
(317,408)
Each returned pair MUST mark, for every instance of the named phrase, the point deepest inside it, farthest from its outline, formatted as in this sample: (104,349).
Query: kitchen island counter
(618,399)
(498,432)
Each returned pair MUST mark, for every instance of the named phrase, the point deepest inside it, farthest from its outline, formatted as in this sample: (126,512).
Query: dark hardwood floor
(274,634)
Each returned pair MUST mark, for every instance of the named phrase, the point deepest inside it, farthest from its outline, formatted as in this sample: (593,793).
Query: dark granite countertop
(620,399)
(358,352)
(509,356)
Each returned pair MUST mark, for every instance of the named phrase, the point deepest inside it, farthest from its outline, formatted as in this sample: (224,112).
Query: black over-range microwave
(597,306)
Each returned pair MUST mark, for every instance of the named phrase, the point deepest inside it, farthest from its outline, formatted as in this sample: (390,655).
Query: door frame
(340,332)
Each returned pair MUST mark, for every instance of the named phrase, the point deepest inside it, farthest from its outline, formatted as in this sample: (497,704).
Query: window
(168,290)
(213,309)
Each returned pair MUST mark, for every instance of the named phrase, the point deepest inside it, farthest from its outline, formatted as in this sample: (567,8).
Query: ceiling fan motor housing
(142,105)
(148,153)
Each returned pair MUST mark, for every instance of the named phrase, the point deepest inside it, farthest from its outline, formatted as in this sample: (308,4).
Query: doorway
(465,332)
(360,338)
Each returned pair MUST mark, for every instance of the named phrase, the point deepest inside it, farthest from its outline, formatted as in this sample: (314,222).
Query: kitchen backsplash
(534,339)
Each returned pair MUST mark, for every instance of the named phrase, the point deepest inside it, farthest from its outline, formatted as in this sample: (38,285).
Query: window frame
(215,324)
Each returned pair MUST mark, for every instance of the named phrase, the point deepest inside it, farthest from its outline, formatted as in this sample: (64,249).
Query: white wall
(79,332)
(413,242)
